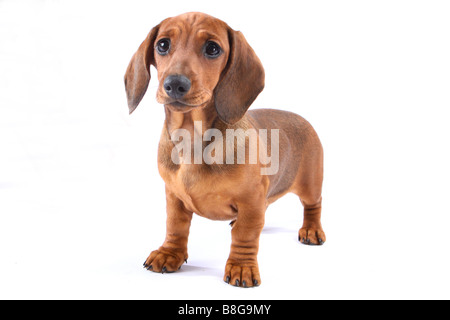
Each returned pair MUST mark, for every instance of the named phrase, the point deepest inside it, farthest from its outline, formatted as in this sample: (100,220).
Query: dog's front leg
(242,265)
(173,253)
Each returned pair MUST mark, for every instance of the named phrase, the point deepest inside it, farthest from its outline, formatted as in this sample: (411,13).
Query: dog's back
(299,147)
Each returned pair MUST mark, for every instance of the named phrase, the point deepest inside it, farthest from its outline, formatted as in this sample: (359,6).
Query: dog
(208,74)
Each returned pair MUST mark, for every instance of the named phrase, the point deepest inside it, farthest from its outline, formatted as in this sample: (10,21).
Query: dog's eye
(212,50)
(163,46)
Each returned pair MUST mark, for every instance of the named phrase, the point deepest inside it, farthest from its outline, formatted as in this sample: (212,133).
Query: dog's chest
(204,194)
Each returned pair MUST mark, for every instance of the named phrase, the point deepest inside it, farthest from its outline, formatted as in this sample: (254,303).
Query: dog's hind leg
(311,231)
(308,186)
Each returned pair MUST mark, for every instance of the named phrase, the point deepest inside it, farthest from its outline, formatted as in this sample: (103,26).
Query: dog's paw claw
(311,236)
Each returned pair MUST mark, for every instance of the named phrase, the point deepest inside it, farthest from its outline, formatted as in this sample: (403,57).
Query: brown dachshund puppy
(208,78)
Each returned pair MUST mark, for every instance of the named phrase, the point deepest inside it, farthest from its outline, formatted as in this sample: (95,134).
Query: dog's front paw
(244,275)
(165,260)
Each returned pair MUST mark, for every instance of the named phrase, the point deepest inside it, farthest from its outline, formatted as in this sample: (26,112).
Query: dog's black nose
(176,86)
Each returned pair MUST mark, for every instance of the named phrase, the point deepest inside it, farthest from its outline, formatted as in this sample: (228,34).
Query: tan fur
(222,90)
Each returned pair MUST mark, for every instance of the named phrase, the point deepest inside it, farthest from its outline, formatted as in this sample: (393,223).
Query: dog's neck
(179,120)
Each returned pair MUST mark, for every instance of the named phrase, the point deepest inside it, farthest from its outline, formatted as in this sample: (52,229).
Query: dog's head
(200,60)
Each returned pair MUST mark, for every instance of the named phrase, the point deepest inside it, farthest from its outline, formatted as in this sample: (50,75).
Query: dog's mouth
(178,106)
(183,105)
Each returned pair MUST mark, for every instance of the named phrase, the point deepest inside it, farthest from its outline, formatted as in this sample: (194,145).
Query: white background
(81,201)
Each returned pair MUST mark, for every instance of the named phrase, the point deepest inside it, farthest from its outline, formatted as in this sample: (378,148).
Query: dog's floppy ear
(137,76)
(241,81)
